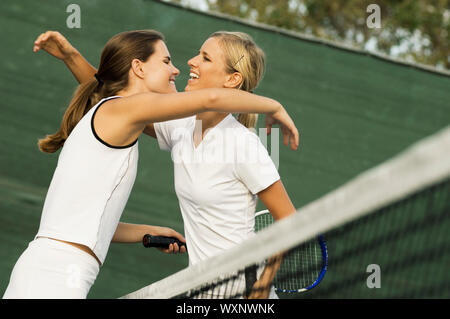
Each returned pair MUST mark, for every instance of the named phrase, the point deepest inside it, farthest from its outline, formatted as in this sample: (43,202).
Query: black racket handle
(160,241)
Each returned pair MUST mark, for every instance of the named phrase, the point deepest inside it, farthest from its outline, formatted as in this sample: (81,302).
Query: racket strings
(301,266)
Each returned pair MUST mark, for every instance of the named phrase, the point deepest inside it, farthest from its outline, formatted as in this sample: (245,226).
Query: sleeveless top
(89,189)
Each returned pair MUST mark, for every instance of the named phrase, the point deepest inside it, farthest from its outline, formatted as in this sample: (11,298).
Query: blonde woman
(133,86)
(217,194)
(220,166)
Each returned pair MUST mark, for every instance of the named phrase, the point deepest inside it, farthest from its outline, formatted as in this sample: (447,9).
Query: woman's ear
(233,80)
(137,68)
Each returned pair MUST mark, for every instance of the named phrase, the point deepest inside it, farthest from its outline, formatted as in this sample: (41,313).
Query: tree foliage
(416,30)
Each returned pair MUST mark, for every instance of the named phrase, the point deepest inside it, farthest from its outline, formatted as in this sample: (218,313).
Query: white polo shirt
(216,182)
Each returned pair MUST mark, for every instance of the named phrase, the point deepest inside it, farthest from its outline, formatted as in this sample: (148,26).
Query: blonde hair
(111,77)
(244,56)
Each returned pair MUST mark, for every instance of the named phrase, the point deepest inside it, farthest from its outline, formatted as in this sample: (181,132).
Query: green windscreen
(353,112)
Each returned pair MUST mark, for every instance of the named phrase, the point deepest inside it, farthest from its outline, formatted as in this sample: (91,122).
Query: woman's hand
(168,232)
(288,128)
(134,233)
(55,44)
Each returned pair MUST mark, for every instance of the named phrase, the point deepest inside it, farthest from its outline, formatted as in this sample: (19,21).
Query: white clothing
(89,189)
(216,182)
(49,269)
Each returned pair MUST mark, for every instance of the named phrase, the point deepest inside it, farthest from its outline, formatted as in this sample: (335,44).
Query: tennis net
(386,234)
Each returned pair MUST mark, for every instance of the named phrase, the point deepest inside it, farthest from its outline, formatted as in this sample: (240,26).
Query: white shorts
(49,269)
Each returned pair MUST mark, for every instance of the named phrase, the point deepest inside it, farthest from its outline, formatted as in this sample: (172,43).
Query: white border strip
(421,165)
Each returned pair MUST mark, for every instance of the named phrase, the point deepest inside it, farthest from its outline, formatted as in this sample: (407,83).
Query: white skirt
(49,269)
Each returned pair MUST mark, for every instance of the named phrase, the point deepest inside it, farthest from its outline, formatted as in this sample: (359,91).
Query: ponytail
(248,119)
(82,101)
(111,78)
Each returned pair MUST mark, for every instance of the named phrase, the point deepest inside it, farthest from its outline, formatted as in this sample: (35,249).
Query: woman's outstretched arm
(147,108)
(57,45)
(144,108)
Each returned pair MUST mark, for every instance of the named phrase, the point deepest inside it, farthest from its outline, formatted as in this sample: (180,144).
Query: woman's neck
(209,120)
(129,92)
(206,121)
(134,87)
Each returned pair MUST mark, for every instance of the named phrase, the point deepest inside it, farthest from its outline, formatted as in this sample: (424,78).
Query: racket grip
(160,241)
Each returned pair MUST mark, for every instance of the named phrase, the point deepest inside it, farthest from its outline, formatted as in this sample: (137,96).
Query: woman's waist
(81,247)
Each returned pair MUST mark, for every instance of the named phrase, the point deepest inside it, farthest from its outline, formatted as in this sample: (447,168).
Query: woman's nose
(176,72)
(191,62)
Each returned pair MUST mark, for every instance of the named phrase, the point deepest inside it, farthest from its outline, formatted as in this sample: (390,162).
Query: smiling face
(158,72)
(207,69)
(230,60)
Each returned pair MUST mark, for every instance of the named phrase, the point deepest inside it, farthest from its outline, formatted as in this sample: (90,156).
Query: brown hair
(244,56)
(111,77)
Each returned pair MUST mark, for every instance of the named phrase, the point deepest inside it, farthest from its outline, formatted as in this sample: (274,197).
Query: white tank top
(89,189)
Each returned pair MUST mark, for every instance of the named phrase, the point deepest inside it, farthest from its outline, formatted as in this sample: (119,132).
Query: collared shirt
(216,182)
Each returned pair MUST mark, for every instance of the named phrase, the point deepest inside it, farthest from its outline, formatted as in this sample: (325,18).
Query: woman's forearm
(237,101)
(81,69)
(134,233)
(151,107)
(130,233)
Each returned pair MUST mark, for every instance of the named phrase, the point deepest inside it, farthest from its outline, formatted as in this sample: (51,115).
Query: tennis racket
(160,241)
(303,267)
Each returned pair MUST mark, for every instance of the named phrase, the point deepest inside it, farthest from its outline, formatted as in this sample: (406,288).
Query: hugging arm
(144,109)
(58,46)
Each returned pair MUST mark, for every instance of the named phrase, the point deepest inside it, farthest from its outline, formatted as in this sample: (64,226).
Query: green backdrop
(353,111)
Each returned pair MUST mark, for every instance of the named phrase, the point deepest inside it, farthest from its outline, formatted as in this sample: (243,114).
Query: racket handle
(160,241)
